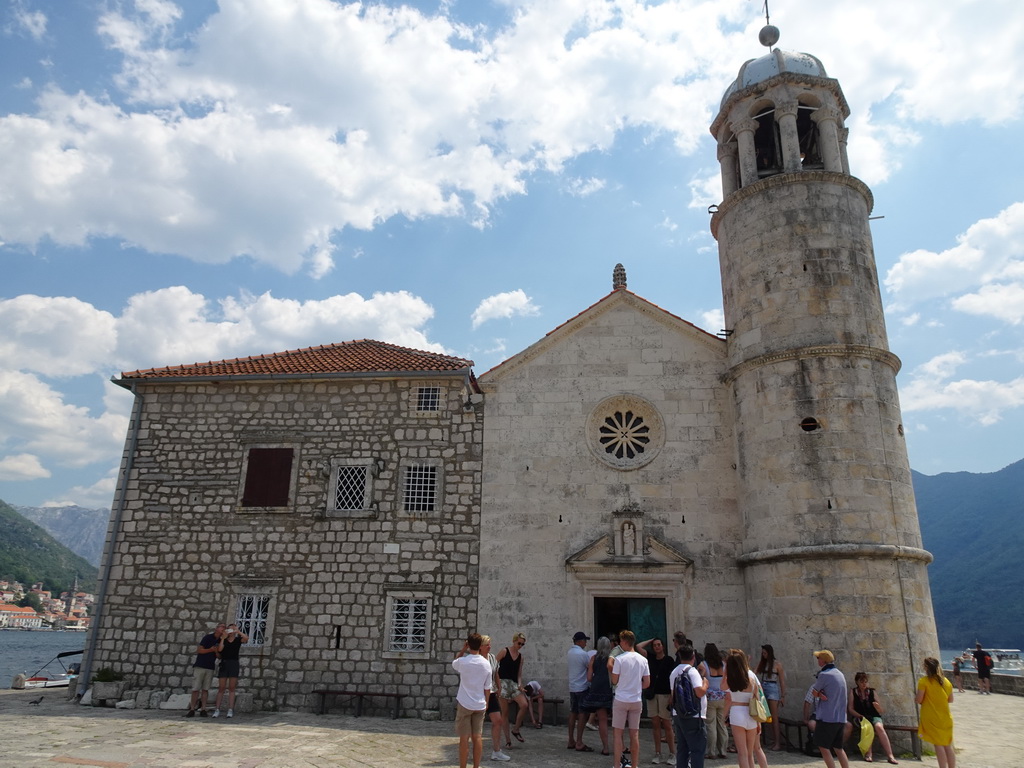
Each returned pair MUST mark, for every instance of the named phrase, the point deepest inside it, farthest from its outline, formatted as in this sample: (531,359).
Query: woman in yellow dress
(934,695)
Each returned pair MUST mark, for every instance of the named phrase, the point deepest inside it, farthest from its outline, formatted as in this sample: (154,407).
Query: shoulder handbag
(759,705)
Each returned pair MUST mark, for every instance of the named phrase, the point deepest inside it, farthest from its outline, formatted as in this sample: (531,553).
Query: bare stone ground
(58,733)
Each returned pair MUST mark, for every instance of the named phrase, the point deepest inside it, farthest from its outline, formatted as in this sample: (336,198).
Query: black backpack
(685,702)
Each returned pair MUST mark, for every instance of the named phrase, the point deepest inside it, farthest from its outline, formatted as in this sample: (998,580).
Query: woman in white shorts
(740,684)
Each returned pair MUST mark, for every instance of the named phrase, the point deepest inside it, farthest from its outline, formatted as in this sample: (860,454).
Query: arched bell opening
(807,132)
(767,141)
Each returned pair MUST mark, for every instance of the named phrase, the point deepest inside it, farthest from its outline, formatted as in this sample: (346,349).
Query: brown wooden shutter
(268,477)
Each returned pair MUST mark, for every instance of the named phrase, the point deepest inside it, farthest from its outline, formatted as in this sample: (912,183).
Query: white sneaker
(499,755)
(591,727)
(231,713)
(215,713)
(656,759)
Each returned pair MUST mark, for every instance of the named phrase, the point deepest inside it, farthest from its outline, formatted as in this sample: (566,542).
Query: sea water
(28,650)
(946,657)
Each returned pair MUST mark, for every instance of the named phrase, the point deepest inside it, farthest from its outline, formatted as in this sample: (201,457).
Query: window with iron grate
(421,485)
(350,488)
(251,617)
(428,399)
(410,620)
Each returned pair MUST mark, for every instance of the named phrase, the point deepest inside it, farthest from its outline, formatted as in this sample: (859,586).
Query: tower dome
(756,71)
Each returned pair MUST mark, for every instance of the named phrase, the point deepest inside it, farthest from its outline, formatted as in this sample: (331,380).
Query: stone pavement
(58,733)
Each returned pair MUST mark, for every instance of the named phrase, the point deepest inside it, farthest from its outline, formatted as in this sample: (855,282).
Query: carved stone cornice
(823,350)
(835,552)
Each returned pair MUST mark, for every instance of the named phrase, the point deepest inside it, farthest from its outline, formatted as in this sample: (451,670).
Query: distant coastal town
(68,611)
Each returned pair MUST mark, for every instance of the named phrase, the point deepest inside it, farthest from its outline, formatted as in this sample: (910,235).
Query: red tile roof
(362,356)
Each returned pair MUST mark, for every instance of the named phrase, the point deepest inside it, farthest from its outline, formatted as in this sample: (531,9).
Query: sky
(207,179)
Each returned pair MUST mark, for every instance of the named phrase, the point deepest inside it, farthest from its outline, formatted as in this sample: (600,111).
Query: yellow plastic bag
(867,736)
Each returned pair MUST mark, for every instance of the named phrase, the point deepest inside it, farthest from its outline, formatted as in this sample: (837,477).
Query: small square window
(421,481)
(428,399)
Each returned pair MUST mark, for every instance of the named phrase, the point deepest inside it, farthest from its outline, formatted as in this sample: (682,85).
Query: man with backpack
(689,710)
(983,663)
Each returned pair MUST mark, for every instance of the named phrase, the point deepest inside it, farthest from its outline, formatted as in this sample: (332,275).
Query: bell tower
(832,554)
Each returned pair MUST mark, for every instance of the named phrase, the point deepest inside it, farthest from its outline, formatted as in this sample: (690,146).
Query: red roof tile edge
(359,356)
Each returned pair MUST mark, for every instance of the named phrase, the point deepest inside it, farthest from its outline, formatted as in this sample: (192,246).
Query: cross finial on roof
(618,277)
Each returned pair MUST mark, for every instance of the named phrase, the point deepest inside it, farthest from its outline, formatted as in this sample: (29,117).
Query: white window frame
(393,607)
(337,467)
(438,470)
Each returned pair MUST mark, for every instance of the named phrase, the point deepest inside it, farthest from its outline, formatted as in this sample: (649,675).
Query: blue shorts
(771,690)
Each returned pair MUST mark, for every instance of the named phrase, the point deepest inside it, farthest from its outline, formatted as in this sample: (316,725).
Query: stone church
(360,507)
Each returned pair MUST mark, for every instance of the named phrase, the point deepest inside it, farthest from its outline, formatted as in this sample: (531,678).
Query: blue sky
(196,180)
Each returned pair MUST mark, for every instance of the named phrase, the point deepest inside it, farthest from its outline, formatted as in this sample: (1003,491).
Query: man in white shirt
(471,700)
(691,732)
(630,675)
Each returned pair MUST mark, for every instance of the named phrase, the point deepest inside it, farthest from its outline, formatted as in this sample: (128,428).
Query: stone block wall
(187,550)
(548,494)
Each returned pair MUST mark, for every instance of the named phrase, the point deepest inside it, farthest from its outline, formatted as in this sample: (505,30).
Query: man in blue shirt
(829,691)
(578,660)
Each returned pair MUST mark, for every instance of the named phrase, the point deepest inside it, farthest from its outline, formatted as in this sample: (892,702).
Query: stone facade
(627,470)
(187,550)
(566,524)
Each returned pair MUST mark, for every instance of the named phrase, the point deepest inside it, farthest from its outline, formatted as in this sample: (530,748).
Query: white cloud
(510,304)
(585,187)
(35,419)
(272,127)
(705,191)
(990,254)
(55,336)
(67,337)
(22,466)
(96,495)
(713,320)
(1005,302)
(60,337)
(932,388)
(33,22)
(275,123)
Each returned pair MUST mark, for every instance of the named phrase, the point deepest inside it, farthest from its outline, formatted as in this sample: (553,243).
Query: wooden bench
(552,711)
(323,693)
(555,702)
(915,739)
(802,735)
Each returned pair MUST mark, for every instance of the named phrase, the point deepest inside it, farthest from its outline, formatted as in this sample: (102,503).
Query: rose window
(624,435)
(625,431)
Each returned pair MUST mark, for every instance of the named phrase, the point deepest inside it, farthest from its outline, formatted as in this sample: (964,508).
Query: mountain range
(972,523)
(29,554)
(974,526)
